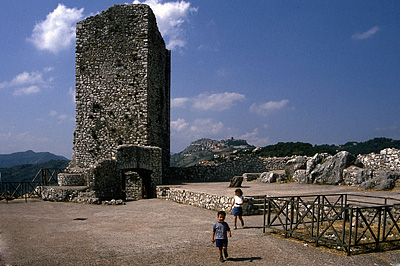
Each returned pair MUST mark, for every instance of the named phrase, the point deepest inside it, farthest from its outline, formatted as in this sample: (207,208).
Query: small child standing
(220,234)
(237,205)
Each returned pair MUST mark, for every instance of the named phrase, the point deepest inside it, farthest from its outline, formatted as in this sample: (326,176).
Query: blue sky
(322,72)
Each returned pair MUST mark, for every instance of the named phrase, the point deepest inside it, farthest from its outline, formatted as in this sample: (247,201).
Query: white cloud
(23,79)
(206,127)
(179,124)
(60,117)
(27,78)
(217,101)
(179,102)
(71,91)
(57,32)
(48,69)
(365,35)
(253,138)
(211,46)
(63,117)
(27,90)
(170,18)
(27,83)
(199,128)
(266,108)
(222,72)
(210,102)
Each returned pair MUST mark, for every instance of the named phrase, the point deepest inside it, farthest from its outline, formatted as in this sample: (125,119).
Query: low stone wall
(75,194)
(62,194)
(204,200)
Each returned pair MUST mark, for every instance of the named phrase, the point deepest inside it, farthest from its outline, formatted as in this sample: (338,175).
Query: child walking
(220,234)
(237,205)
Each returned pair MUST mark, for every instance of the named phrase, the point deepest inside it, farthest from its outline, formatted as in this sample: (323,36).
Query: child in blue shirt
(220,234)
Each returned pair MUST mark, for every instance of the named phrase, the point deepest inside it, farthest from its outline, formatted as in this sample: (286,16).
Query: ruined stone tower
(122,132)
(122,84)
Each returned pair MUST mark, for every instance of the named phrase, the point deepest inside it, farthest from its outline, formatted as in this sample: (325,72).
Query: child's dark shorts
(221,242)
(237,211)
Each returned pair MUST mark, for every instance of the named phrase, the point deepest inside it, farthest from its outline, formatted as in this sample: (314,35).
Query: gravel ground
(147,232)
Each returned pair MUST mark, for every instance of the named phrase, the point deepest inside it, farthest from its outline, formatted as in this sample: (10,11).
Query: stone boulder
(317,159)
(300,176)
(331,171)
(354,175)
(358,162)
(251,176)
(267,177)
(273,176)
(383,180)
(300,162)
(236,181)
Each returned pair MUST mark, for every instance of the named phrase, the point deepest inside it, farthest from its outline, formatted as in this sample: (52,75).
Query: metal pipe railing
(24,189)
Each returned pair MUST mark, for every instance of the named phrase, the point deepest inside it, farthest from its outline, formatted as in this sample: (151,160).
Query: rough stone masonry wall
(387,160)
(106,180)
(203,200)
(122,84)
(158,97)
(225,171)
(133,186)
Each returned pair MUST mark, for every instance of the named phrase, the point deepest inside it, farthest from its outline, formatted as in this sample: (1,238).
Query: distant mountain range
(28,157)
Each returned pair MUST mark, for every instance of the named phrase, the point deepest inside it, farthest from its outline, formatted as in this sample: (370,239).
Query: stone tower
(122,85)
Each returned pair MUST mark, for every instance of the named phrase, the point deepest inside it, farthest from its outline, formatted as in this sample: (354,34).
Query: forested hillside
(299,148)
(27,172)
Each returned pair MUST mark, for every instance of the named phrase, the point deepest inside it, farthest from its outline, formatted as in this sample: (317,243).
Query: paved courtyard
(156,232)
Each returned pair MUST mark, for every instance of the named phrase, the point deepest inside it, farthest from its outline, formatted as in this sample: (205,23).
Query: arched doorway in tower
(136,184)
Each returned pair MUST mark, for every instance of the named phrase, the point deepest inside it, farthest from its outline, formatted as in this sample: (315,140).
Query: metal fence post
(318,220)
(379,228)
(350,231)
(264,211)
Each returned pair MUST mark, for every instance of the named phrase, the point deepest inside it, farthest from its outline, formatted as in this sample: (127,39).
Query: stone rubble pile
(371,171)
